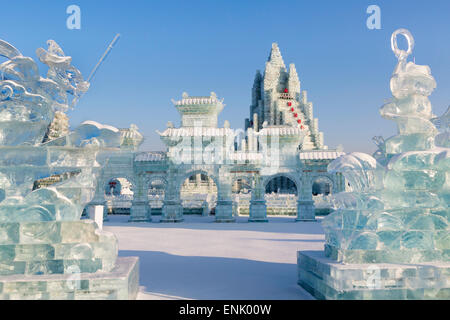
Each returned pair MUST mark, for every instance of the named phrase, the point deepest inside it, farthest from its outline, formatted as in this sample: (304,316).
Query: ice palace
(275,166)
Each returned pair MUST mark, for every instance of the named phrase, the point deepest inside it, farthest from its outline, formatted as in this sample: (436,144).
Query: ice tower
(281,153)
(278,101)
(390,237)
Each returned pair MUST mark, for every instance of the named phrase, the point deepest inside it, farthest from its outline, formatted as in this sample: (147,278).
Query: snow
(200,259)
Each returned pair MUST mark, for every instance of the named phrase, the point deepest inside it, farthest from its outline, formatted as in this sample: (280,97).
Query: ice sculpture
(443,123)
(396,218)
(399,205)
(40,228)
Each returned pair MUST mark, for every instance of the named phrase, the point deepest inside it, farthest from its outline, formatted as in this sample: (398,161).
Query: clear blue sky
(168,47)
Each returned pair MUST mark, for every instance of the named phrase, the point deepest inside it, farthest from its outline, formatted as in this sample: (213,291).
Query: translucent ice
(31,106)
(399,202)
(47,172)
(359,169)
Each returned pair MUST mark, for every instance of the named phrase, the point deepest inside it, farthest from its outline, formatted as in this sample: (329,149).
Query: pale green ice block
(395,220)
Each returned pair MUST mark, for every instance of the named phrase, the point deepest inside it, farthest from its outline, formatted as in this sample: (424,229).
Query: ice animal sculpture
(40,229)
(399,208)
(28,105)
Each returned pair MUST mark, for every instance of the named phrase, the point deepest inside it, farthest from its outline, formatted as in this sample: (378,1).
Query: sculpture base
(55,247)
(172,211)
(305,220)
(258,220)
(327,279)
(121,283)
(140,212)
(171,220)
(225,220)
(136,220)
(258,211)
(306,210)
(404,256)
(224,211)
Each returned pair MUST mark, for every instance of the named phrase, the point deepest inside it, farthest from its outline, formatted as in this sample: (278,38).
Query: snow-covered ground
(200,259)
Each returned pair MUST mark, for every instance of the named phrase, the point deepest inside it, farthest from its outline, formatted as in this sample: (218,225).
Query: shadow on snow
(214,278)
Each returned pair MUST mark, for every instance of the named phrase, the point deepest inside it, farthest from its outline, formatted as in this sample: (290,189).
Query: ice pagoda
(390,236)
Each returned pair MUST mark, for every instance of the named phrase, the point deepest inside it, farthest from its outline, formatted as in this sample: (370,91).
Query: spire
(258,78)
(256,92)
(293,73)
(275,56)
(293,82)
(275,73)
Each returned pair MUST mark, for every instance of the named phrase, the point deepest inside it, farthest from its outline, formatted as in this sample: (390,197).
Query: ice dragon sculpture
(29,104)
(40,227)
(398,210)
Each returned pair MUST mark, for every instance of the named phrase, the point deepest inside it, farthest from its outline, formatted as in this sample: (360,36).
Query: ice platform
(325,278)
(121,283)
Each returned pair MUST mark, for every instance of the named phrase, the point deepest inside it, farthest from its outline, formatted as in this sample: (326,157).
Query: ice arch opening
(322,188)
(199,194)
(241,190)
(242,186)
(119,195)
(156,194)
(281,195)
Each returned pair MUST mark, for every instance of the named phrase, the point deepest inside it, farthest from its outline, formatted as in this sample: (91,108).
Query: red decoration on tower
(292,109)
(286,90)
(295,115)
(302,127)
(299,121)
(289,104)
